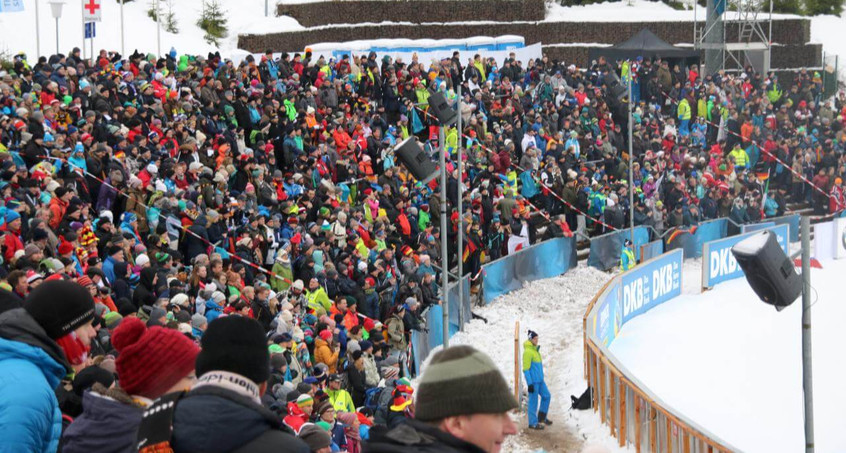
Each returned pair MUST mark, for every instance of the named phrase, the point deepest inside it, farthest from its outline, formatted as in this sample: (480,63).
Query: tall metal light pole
(631,160)
(460,248)
(56,10)
(444,258)
(159,30)
(122,48)
(807,372)
(37,32)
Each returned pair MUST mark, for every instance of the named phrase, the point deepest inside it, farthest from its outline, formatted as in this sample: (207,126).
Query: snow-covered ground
(733,364)
(554,308)
(17,30)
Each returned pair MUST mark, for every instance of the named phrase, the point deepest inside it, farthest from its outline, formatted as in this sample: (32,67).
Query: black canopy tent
(643,44)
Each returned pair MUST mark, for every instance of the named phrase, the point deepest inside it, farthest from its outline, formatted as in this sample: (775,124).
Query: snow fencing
(634,414)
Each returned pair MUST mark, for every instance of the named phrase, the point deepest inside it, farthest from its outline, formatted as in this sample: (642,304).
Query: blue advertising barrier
(750,227)
(790,220)
(651,284)
(719,264)
(635,292)
(651,250)
(605,250)
(691,243)
(543,260)
(608,319)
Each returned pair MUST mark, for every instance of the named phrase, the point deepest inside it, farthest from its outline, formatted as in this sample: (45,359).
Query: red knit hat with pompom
(153,360)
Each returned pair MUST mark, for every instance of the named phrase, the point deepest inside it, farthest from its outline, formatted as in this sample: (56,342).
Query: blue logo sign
(651,284)
(720,266)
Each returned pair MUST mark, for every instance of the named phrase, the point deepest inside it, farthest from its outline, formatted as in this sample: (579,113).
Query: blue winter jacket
(31,367)
(213,310)
(532,363)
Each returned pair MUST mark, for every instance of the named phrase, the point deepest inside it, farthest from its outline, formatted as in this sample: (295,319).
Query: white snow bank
(733,364)
(554,308)
(244,16)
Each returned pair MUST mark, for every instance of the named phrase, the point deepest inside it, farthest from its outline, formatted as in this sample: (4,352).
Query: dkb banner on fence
(691,240)
(543,260)
(455,317)
(792,220)
(605,250)
(719,264)
(635,292)
(750,227)
(651,250)
(607,318)
(651,284)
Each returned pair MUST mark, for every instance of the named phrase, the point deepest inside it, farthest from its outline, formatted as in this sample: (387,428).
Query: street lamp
(56,10)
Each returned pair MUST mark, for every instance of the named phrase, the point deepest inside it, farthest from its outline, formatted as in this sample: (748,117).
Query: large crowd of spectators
(186,189)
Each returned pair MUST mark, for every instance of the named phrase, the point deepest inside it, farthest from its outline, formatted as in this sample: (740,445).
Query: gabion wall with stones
(786,31)
(421,11)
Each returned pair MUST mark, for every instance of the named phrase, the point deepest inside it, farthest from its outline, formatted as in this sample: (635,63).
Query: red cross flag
(91,10)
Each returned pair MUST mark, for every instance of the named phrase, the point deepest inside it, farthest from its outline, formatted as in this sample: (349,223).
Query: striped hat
(305,400)
(462,380)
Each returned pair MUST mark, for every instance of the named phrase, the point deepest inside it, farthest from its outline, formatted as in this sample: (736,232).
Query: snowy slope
(17,30)
(733,364)
(553,308)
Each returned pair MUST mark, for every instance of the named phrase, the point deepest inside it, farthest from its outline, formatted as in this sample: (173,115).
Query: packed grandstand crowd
(179,191)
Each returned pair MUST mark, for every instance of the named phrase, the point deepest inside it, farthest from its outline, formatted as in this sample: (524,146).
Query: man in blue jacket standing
(533,371)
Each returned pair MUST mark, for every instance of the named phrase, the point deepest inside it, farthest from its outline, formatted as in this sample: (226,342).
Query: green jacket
(278,284)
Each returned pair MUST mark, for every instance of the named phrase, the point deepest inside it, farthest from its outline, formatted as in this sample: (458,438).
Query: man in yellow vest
(627,257)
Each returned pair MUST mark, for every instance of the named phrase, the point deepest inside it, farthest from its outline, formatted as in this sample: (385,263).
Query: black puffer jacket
(417,437)
(215,420)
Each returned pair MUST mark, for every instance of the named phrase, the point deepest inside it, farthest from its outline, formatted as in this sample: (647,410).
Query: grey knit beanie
(462,380)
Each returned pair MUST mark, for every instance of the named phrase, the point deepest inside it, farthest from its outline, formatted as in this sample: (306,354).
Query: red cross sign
(91,10)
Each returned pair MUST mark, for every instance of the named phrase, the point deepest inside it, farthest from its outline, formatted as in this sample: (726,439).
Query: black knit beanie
(235,344)
(59,307)
(461,381)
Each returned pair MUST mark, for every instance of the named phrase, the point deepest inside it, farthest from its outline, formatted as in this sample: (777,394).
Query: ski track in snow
(554,308)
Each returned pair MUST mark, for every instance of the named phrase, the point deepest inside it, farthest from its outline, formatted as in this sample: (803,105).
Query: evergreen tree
(213,22)
(815,7)
(169,22)
(785,6)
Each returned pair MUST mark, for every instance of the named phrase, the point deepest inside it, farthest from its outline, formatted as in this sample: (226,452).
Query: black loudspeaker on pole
(438,106)
(769,271)
(411,155)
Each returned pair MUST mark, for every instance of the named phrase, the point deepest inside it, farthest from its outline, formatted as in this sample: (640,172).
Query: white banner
(839,238)
(824,244)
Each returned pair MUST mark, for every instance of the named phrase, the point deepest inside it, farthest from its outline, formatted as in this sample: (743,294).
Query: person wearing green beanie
(462,405)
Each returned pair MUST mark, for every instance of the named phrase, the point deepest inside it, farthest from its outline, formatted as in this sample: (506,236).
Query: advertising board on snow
(635,292)
(650,284)
(718,263)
